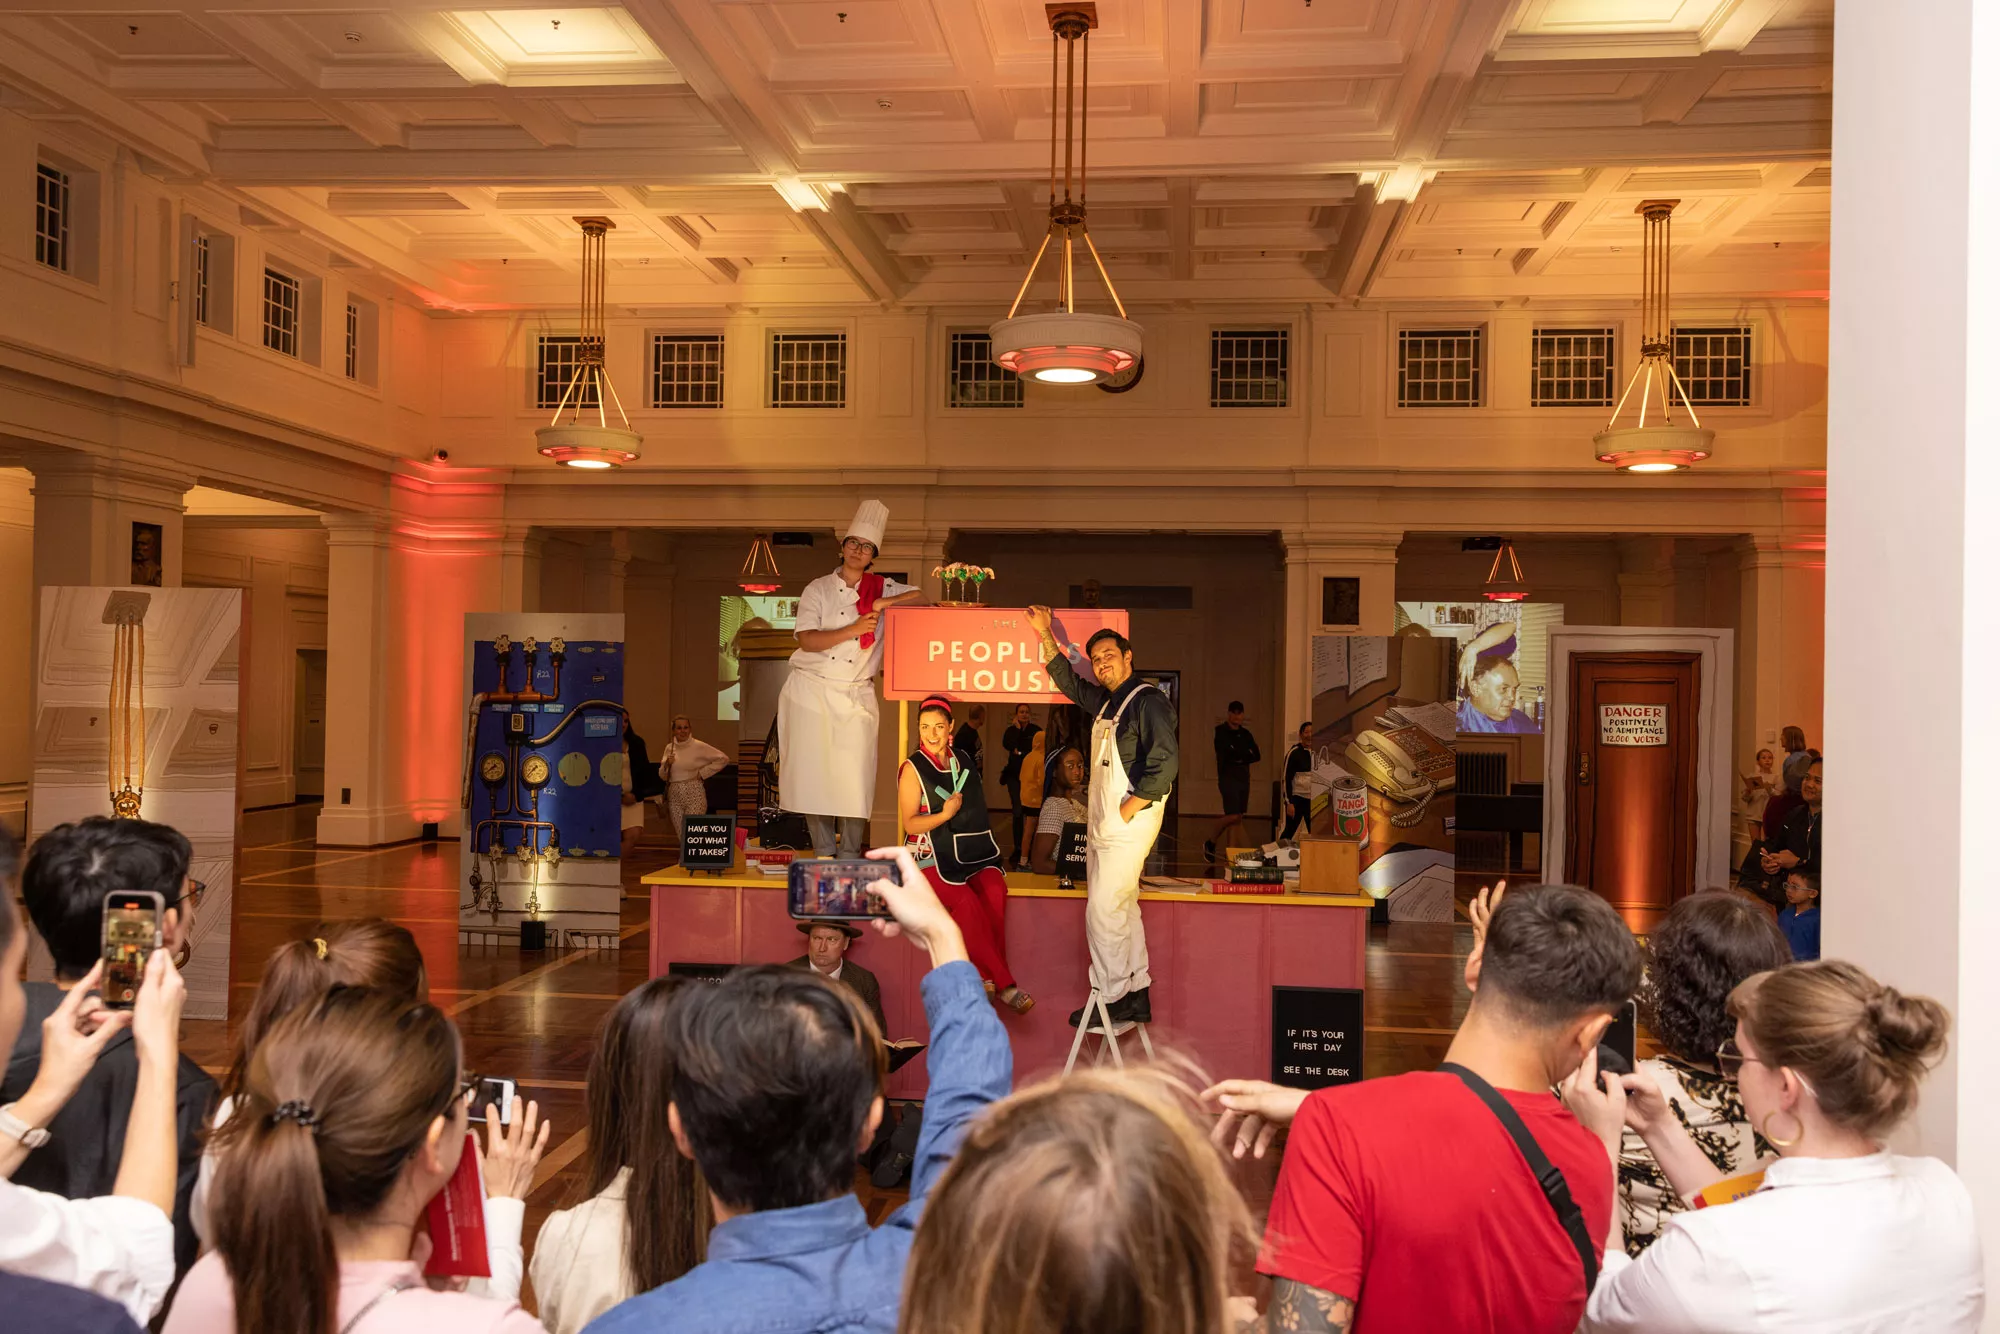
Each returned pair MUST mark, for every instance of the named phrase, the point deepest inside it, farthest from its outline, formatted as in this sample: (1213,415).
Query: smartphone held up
(132,931)
(839,888)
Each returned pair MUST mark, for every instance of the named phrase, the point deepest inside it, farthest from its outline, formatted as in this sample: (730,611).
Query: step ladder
(1097,1021)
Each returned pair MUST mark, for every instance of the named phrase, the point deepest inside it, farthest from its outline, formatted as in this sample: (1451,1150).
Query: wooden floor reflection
(533,1015)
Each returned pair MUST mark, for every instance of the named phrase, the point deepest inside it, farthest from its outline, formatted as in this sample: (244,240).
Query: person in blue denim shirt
(778,1090)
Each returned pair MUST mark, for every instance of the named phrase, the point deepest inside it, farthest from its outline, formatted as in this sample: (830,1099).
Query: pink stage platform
(1215,959)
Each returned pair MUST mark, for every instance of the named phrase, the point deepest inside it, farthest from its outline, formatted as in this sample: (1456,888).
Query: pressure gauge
(493,767)
(535,771)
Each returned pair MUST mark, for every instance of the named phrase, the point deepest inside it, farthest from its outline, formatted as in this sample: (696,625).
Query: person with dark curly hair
(1695,957)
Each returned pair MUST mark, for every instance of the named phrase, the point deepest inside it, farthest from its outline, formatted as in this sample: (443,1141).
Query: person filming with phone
(71,874)
(779,1086)
(118,1243)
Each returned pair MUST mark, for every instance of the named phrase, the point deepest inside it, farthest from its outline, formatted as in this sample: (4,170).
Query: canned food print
(1350,808)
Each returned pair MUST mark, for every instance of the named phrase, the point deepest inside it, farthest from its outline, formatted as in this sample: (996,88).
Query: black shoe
(1134,1007)
(1076,1017)
(892,1171)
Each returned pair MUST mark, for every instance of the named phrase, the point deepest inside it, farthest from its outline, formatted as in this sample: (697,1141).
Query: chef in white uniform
(827,714)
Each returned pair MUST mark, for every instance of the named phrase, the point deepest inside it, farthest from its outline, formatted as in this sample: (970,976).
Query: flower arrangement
(963,583)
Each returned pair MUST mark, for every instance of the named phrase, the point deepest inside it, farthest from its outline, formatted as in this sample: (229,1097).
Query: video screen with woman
(1502,670)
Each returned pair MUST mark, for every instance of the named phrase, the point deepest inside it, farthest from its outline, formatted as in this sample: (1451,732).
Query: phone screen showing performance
(837,888)
(131,934)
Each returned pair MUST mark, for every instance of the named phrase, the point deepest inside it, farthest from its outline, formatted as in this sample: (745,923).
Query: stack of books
(770,861)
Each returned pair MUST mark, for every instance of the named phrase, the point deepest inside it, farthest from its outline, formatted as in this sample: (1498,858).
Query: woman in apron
(947,826)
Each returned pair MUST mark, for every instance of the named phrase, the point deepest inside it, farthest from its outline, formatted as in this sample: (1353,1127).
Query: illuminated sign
(981,653)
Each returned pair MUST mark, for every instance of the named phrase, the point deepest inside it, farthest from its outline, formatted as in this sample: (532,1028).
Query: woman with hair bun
(1842,1235)
(350,1118)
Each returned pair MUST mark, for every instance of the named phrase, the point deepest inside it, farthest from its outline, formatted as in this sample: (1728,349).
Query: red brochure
(457,1221)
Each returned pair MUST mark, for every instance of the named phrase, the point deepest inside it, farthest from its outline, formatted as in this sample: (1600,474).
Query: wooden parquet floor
(533,1015)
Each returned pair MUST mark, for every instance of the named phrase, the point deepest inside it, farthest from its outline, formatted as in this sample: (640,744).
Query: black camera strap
(1547,1175)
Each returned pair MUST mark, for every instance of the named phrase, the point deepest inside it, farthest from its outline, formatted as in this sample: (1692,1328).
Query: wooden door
(1631,788)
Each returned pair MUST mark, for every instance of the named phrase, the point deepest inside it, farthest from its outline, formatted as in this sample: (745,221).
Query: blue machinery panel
(545,756)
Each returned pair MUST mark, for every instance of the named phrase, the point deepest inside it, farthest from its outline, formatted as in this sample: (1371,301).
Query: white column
(521,568)
(357,682)
(604,572)
(1913,472)
(85,509)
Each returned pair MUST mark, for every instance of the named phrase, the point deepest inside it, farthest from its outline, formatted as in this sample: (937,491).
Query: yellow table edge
(1018,887)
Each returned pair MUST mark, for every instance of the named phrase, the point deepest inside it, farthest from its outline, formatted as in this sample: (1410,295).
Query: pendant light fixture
(1652,440)
(1509,586)
(579,443)
(760,567)
(1067,346)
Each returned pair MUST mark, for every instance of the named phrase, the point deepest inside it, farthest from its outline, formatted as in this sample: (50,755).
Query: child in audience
(647,1217)
(350,1118)
(1800,918)
(1093,1202)
(119,1245)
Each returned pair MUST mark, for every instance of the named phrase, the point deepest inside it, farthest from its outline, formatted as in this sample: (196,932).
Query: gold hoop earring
(1764,1129)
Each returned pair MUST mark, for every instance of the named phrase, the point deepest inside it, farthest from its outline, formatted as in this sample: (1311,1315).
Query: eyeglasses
(192,895)
(1730,1058)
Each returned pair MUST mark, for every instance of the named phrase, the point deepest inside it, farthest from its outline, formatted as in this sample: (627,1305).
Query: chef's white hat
(869,521)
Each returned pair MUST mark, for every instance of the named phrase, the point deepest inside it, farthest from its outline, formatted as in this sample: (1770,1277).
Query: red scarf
(866,592)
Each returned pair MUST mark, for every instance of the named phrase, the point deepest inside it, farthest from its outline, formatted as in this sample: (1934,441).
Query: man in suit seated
(890,1156)
(826,951)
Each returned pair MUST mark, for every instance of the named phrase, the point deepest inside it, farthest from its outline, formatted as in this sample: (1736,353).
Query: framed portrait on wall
(148,542)
(1340,600)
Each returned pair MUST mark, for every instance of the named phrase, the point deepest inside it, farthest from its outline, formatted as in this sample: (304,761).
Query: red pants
(979,906)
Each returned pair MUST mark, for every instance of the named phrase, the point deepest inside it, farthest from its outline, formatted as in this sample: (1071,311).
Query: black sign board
(1315,1036)
(1070,859)
(708,843)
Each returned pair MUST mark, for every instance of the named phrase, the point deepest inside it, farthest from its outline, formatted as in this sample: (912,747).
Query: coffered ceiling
(896,151)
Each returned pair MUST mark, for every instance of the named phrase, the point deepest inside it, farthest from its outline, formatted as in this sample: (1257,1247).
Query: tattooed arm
(1297,1308)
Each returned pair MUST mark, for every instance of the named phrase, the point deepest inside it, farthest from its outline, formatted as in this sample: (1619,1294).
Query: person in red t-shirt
(1403,1203)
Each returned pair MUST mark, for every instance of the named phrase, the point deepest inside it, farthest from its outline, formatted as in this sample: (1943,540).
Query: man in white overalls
(1134,759)
(827,714)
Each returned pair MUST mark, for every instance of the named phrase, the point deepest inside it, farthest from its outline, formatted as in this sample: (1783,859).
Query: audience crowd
(1736,1179)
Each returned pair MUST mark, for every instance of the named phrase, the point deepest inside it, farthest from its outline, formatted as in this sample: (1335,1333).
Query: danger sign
(1632,724)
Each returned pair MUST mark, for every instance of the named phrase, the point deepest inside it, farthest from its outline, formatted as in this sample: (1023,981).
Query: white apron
(826,745)
(1115,854)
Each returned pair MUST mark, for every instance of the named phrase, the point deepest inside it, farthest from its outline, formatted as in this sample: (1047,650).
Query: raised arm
(1089,694)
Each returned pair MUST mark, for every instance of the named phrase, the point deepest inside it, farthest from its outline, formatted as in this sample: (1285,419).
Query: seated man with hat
(826,950)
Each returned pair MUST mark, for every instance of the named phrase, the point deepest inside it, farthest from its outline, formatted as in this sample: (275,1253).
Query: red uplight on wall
(1510,586)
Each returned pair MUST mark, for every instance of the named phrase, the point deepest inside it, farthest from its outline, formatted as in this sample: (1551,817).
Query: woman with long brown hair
(350,1118)
(646,1216)
(1093,1202)
(364,952)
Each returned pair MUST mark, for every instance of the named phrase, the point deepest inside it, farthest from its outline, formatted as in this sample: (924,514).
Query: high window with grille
(808,370)
(1439,368)
(52,217)
(1574,368)
(687,370)
(351,363)
(281,312)
(1249,368)
(556,359)
(976,382)
(1714,364)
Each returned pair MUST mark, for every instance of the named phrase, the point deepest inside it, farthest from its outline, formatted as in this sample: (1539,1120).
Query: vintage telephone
(1405,764)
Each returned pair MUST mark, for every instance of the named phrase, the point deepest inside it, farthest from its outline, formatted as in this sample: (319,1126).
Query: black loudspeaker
(534,935)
